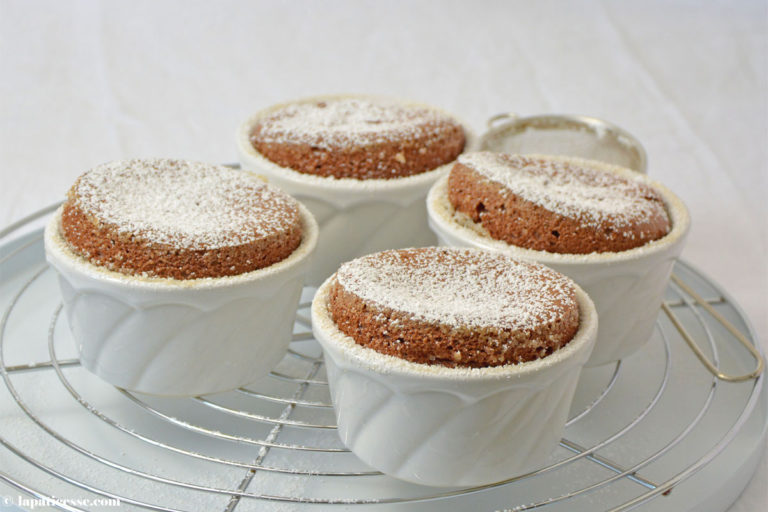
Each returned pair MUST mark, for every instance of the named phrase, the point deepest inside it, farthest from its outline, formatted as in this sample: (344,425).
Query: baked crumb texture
(454,307)
(358,138)
(556,204)
(178,219)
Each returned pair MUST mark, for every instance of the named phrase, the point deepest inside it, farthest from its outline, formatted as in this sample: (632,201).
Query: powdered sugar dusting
(460,287)
(342,122)
(590,195)
(188,205)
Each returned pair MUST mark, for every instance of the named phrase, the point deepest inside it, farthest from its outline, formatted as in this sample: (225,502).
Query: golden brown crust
(403,335)
(103,245)
(517,221)
(178,219)
(423,145)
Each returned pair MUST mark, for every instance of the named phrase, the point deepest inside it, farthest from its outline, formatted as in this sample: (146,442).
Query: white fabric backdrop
(86,82)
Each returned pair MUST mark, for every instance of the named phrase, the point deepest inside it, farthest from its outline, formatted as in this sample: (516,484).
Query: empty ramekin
(440,426)
(356,217)
(180,337)
(627,287)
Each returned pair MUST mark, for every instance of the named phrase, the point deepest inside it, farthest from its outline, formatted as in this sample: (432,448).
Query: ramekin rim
(57,249)
(322,323)
(677,210)
(246,149)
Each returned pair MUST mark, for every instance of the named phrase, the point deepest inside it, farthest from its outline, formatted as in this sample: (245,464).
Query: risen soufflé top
(178,219)
(454,307)
(556,204)
(359,138)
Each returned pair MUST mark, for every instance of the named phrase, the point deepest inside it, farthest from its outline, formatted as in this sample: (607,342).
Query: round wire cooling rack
(657,431)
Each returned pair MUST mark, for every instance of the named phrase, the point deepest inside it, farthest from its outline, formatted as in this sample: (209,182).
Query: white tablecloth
(86,82)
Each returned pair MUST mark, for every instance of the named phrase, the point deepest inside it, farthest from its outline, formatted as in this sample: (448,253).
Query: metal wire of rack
(274,442)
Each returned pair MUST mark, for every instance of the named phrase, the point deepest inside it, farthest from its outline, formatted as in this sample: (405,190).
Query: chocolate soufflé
(358,138)
(178,219)
(556,204)
(454,307)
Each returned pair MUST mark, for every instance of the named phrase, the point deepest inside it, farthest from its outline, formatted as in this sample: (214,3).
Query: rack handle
(760,364)
(504,116)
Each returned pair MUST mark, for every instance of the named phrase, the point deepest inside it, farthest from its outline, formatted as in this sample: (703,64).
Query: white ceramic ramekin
(627,287)
(448,427)
(180,337)
(356,217)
